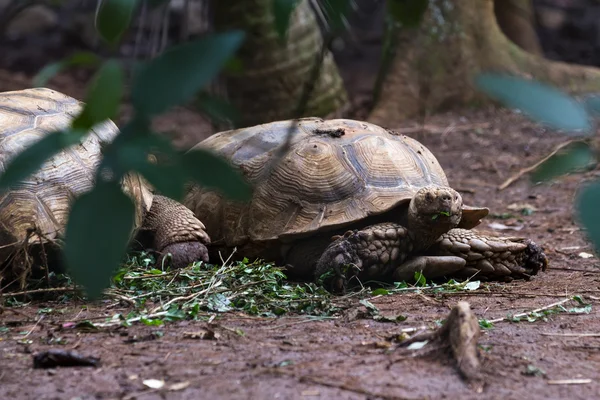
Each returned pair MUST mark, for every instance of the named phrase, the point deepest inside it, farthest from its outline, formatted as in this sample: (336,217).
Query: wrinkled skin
(428,242)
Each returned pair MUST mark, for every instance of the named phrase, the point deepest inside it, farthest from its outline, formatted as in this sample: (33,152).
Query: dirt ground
(350,356)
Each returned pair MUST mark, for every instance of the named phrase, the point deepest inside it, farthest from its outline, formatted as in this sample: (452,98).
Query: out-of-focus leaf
(588,210)
(113,18)
(336,10)
(213,171)
(179,73)
(574,157)
(79,59)
(541,102)
(103,98)
(34,156)
(592,103)
(407,12)
(217,108)
(97,235)
(282,11)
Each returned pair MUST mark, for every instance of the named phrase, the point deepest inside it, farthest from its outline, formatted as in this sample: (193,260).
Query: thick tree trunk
(434,66)
(517,22)
(275,73)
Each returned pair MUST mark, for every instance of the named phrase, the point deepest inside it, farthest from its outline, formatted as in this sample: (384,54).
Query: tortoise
(350,193)
(41,202)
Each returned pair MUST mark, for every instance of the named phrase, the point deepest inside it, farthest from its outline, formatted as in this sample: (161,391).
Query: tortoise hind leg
(490,257)
(174,229)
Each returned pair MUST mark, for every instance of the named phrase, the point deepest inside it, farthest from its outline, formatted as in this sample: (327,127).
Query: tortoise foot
(490,257)
(369,253)
(183,254)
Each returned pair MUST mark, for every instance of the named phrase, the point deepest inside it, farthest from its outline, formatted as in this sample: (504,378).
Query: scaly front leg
(489,257)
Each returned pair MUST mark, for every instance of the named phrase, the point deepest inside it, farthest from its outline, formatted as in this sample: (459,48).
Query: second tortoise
(382,197)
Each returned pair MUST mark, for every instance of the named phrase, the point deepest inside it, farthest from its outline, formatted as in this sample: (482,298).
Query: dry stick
(572,334)
(526,170)
(37,291)
(524,314)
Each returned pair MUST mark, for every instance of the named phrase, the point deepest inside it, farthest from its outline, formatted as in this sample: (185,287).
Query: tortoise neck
(425,231)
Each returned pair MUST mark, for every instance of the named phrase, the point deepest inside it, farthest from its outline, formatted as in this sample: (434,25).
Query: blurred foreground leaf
(97,235)
(588,209)
(103,98)
(34,156)
(81,59)
(180,72)
(543,103)
(218,109)
(407,12)
(574,157)
(282,12)
(113,18)
(212,171)
(336,10)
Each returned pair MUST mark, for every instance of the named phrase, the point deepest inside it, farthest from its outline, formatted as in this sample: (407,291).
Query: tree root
(460,333)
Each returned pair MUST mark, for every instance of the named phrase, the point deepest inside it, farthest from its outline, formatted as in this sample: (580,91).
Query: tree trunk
(434,65)
(276,72)
(517,22)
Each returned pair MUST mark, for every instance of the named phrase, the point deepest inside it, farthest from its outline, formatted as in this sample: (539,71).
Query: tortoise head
(436,209)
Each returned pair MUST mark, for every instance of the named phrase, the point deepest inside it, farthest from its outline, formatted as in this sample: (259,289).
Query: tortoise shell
(334,173)
(43,199)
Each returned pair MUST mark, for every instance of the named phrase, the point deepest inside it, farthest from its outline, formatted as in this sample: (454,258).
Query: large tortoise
(383,198)
(41,202)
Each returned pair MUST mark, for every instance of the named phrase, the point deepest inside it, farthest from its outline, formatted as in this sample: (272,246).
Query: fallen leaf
(583,254)
(501,227)
(310,392)
(179,386)
(154,383)
(417,345)
(521,206)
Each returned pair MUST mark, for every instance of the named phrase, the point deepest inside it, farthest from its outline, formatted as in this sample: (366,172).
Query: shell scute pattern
(334,173)
(43,199)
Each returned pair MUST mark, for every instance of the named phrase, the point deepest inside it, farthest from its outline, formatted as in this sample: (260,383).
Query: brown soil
(351,356)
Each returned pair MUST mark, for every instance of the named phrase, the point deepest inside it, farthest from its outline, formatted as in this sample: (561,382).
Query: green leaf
(103,98)
(588,210)
(113,18)
(420,279)
(82,59)
(335,10)
(169,180)
(34,156)
(210,170)
(592,103)
(282,11)
(407,12)
(180,72)
(151,322)
(97,235)
(541,102)
(380,292)
(576,156)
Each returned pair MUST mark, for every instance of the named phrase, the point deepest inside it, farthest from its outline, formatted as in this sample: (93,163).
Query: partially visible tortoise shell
(43,199)
(334,173)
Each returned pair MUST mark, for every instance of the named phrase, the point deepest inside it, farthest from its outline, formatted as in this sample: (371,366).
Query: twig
(37,291)
(572,334)
(570,382)
(524,314)
(526,170)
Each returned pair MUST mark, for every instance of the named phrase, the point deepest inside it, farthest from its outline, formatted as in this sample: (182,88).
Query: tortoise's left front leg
(175,230)
(490,257)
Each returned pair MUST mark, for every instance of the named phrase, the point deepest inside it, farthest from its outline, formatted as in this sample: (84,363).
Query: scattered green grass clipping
(255,288)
